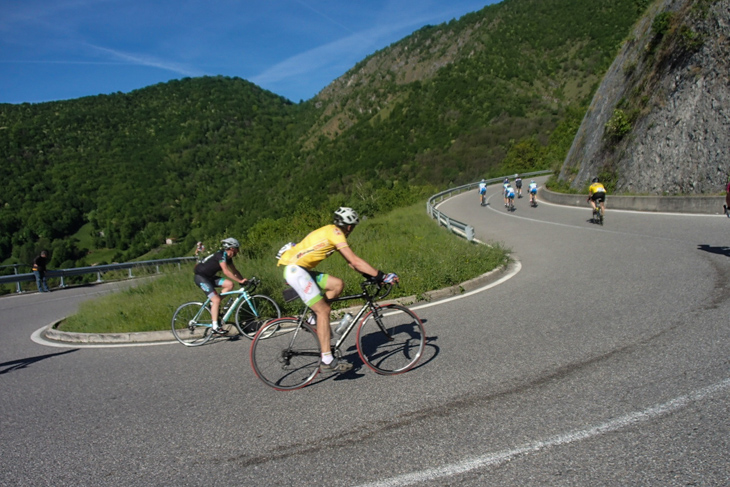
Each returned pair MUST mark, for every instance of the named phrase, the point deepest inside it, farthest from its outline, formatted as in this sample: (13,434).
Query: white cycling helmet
(346,216)
(230,243)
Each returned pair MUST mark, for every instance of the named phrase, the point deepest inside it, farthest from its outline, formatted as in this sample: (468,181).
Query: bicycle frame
(285,353)
(369,305)
(231,305)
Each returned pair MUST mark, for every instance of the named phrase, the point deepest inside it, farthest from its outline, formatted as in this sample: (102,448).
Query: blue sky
(63,49)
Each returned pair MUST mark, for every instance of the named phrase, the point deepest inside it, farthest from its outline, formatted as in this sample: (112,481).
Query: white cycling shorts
(307,284)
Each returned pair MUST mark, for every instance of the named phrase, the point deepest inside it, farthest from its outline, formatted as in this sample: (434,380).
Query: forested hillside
(502,89)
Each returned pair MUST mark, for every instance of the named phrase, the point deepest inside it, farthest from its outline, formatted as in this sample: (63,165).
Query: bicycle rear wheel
(190,330)
(285,355)
(391,339)
(252,315)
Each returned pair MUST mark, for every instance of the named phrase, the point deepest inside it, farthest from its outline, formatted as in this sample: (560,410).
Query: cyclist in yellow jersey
(312,286)
(597,194)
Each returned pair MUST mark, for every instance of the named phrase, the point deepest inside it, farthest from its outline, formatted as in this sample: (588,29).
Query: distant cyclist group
(509,192)
(596,194)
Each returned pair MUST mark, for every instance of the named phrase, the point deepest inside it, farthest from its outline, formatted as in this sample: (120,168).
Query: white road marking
(500,457)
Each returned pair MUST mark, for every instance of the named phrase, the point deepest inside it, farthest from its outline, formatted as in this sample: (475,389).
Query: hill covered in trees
(502,89)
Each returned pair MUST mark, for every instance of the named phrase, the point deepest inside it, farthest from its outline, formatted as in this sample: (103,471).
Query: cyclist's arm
(357,263)
(232,273)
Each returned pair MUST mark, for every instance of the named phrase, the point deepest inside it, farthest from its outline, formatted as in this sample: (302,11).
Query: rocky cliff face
(660,121)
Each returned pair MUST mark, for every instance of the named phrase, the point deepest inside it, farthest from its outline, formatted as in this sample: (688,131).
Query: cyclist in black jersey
(207,278)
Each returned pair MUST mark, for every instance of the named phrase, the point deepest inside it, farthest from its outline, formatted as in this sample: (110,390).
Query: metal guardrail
(97,269)
(455,226)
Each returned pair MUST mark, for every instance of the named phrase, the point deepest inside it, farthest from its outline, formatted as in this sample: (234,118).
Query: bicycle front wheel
(391,339)
(251,315)
(285,355)
(191,324)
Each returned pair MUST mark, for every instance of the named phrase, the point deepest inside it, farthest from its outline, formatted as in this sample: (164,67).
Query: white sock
(215,324)
(327,358)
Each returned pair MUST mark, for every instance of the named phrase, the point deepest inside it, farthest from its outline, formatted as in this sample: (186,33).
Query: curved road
(603,361)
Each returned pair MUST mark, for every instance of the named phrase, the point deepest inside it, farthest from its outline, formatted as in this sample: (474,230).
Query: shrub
(619,125)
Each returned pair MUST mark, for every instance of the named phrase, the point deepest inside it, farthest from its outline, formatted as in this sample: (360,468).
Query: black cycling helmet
(594,180)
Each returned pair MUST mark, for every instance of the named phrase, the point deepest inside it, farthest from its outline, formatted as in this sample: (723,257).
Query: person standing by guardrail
(39,271)
(199,251)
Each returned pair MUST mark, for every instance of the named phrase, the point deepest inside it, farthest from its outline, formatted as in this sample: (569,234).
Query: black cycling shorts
(208,285)
(599,197)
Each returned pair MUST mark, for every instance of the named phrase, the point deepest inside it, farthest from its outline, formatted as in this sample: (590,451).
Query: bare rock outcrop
(660,121)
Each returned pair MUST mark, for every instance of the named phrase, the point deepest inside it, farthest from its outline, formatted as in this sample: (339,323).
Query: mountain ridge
(501,89)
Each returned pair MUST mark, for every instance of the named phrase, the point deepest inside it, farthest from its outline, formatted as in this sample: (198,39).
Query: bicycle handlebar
(253,283)
(379,294)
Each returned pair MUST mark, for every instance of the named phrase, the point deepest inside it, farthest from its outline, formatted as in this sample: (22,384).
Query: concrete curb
(53,334)
(705,205)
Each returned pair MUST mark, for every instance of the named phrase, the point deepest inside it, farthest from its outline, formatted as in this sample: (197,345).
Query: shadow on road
(715,250)
(23,363)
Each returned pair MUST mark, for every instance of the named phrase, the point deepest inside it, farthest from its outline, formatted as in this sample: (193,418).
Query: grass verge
(405,241)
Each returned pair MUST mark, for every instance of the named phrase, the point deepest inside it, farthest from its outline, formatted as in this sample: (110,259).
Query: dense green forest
(499,90)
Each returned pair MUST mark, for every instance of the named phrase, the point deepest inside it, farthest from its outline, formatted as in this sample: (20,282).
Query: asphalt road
(604,361)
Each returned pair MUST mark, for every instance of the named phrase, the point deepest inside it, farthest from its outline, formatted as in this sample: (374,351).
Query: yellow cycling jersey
(596,188)
(315,247)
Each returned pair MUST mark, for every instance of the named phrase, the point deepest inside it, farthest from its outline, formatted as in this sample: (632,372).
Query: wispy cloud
(345,51)
(148,61)
(324,16)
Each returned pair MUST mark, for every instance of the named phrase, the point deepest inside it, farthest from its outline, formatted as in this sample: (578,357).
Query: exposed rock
(673,92)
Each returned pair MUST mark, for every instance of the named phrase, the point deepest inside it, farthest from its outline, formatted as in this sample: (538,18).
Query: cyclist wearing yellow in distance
(313,286)
(597,194)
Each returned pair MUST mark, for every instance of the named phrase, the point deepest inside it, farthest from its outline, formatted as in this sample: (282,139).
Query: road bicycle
(192,323)
(390,340)
(598,214)
(510,204)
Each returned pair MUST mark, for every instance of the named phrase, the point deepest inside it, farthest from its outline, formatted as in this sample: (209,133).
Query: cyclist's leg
(208,287)
(312,288)
(322,309)
(332,287)
(226,285)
